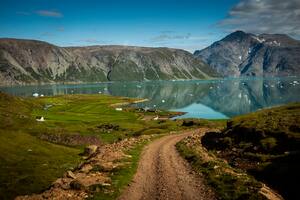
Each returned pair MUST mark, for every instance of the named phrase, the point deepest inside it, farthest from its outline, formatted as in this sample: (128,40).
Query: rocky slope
(265,144)
(245,54)
(28,61)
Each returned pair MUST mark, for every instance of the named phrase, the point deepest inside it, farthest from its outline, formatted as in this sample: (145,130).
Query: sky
(185,24)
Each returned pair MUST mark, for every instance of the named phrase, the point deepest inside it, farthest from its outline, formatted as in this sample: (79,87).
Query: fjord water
(210,99)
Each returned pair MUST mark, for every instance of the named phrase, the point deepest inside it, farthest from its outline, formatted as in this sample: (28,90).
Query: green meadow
(35,153)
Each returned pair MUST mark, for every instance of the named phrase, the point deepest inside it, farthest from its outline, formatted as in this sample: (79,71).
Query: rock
(128,156)
(86,168)
(77,185)
(188,123)
(108,127)
(106,184)
(89,150)
(61,183)
(40,119)
(70,174)
(106,167)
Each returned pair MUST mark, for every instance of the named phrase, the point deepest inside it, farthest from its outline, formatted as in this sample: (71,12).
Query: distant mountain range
(246,54)
(30,61)
(238,54)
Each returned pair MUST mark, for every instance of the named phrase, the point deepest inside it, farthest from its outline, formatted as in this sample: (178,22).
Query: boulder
(86,168)
(77,185)
(70,174)
(89,150)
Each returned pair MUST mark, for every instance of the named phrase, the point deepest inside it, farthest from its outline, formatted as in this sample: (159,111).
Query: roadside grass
(217,175)
(32,158)
(122,177)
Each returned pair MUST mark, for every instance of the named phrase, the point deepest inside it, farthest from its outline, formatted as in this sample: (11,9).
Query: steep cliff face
(244,54)
(28,61)
(24,61)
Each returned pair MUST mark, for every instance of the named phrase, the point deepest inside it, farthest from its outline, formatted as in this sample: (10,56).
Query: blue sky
(188,24)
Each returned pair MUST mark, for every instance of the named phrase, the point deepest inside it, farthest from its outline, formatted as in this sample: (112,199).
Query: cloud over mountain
(264,16)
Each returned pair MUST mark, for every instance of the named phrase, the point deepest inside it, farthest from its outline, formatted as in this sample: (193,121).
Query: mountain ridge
(247,54)
(34,61)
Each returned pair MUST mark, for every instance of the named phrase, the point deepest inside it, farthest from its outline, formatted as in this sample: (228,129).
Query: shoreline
(3,85)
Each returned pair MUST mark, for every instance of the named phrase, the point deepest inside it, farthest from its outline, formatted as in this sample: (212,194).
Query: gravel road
(163,174)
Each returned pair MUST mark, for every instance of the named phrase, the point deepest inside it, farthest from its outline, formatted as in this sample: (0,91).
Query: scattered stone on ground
(95,170)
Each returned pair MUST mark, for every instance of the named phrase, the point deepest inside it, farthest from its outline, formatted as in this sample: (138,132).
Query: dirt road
(162,174)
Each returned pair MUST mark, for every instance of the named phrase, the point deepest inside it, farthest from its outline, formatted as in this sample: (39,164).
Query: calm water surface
(212,99)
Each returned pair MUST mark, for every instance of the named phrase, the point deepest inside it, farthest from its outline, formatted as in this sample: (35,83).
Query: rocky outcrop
(264,143)
(30,61)
(245,54)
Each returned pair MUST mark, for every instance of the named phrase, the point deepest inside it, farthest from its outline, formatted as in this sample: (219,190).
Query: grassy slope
(218,175)
(266,144)
(29,164)
(20,170)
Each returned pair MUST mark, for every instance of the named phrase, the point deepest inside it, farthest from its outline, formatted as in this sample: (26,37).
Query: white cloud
(264,16)
(169,36)
(22,13)
(49,13)
(93,41)
(166,36)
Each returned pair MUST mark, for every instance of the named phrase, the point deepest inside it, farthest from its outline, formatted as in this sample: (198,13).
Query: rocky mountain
(246,54)
(30,61)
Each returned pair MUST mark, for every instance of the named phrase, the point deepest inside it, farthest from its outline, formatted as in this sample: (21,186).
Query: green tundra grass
(266,144)
(34,154)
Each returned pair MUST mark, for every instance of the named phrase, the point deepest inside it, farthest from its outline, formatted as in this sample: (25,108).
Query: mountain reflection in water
(212,99)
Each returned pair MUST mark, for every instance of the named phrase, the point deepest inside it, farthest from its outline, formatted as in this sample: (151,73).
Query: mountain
(31,61)
(246,54)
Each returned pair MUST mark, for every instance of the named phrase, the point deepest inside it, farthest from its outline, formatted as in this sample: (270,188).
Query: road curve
(162,174)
